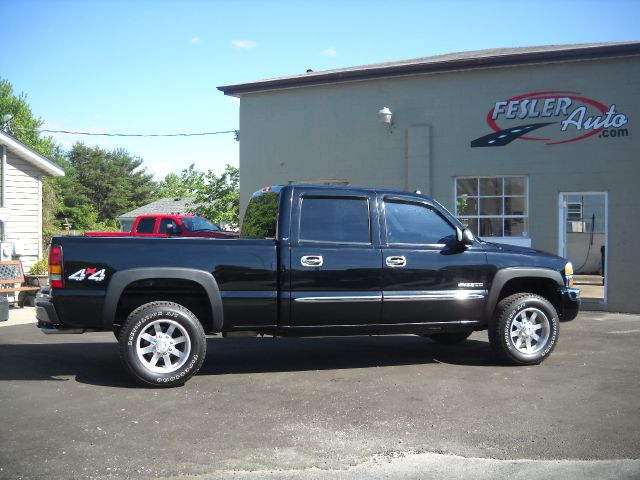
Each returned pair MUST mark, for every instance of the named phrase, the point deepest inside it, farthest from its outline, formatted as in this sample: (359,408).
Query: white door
(583,240)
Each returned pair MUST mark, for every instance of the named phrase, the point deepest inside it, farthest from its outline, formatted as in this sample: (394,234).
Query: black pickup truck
(311,260)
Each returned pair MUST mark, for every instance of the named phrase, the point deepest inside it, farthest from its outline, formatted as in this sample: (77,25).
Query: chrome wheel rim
(163,346)
(529,331)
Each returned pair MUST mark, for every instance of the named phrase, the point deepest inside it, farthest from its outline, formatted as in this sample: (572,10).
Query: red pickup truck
(169,226)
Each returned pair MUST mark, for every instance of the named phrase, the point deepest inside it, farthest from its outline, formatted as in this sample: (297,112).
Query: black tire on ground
(116,331)
(449,338)
(524,330)
(162,344)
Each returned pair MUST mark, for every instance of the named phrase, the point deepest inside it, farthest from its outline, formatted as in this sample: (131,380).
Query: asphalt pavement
(397,407)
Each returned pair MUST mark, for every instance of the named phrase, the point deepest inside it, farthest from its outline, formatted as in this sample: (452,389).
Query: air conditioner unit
(577,227)
(6,251)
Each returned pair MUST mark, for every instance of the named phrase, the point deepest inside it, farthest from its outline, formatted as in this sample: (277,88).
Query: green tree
(184,184)
(24,125)
(102,184)
(218,199)
(98,184)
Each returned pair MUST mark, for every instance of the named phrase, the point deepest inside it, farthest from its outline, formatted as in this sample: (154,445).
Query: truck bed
(245,271)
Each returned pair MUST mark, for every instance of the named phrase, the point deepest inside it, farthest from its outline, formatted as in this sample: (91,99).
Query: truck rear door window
(335,219)
(416,223)
(146,225)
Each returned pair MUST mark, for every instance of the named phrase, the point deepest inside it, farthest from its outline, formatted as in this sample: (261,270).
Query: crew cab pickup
(311,260)
(169,226)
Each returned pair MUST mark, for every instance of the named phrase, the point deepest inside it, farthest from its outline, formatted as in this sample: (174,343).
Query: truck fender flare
(503,276)
(120,280)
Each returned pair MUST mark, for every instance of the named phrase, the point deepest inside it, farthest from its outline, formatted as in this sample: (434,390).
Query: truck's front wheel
(524,330)
(162,344)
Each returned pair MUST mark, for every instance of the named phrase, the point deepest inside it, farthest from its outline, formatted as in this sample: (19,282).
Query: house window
(493,206)
(574,211)
(585,214)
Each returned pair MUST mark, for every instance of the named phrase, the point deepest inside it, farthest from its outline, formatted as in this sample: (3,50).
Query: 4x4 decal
(86,273)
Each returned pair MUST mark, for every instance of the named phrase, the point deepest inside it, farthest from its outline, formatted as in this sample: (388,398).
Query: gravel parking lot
(374,407)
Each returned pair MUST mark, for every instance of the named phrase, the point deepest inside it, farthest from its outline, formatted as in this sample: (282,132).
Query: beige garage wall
(332,132)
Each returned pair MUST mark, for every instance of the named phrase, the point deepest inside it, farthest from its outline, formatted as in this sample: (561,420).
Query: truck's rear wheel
(162,344)
(525,329)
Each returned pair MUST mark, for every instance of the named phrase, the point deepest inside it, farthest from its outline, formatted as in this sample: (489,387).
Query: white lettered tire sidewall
(503,338)
(153,320)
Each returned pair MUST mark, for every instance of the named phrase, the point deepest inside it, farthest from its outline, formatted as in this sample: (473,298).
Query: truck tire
(524,330)
(162,344)
(449,338)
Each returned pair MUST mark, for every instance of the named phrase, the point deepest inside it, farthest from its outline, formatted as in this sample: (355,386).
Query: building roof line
(163,206)
(443,63)
(30,155)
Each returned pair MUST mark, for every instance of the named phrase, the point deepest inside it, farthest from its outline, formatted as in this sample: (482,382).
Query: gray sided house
(21,185)
(174,206)
(533,146)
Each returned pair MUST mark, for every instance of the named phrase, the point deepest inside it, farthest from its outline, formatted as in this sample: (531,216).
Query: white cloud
(244,44)
(196,40)
(329,52)
(233,100)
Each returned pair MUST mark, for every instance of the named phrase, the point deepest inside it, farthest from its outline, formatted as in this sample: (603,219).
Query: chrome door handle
(311,261)
(396,261)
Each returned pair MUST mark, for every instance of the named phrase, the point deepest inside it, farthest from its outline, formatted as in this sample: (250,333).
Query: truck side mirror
(464,237)
(467,238)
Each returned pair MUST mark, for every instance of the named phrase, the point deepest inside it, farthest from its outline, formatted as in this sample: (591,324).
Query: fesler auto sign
(552,117)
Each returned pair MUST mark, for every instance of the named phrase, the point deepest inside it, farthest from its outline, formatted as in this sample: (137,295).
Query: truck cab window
(146,225)
(169,226)
(261,217)
(335,219)
(415,223)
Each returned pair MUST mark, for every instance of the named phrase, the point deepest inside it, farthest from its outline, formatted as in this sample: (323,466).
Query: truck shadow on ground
(260,355)
(98,362)
(95,363)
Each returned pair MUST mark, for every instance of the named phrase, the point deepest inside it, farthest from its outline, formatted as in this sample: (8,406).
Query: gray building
(531,146)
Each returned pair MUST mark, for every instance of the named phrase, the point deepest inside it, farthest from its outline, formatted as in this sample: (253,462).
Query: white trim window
(494,206)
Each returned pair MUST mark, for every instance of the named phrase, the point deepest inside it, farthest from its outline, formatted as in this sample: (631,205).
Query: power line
(93,134)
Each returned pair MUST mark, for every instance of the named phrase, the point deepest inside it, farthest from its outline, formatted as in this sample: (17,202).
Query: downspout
(3,204)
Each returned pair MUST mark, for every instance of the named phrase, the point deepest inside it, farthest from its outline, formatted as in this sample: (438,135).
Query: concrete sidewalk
(20,316)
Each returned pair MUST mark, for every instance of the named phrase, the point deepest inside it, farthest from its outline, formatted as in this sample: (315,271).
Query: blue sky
(153,66)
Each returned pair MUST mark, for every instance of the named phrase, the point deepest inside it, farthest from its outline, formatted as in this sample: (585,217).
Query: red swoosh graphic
(551,94)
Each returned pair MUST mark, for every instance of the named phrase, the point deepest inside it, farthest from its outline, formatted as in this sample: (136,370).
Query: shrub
(41,267)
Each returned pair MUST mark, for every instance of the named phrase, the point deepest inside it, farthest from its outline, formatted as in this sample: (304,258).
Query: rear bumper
(570,303)
(47,317)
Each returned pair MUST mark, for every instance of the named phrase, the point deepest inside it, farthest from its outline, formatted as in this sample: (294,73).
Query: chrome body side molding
(430,295)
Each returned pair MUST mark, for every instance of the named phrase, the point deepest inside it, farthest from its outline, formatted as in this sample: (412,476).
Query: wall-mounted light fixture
(385,115)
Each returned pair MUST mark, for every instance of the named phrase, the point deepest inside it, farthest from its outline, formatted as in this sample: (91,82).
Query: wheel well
(544,287)
(187,293)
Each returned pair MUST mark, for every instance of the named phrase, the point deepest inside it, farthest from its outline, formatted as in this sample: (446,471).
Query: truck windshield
(198,224)
(261,217)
